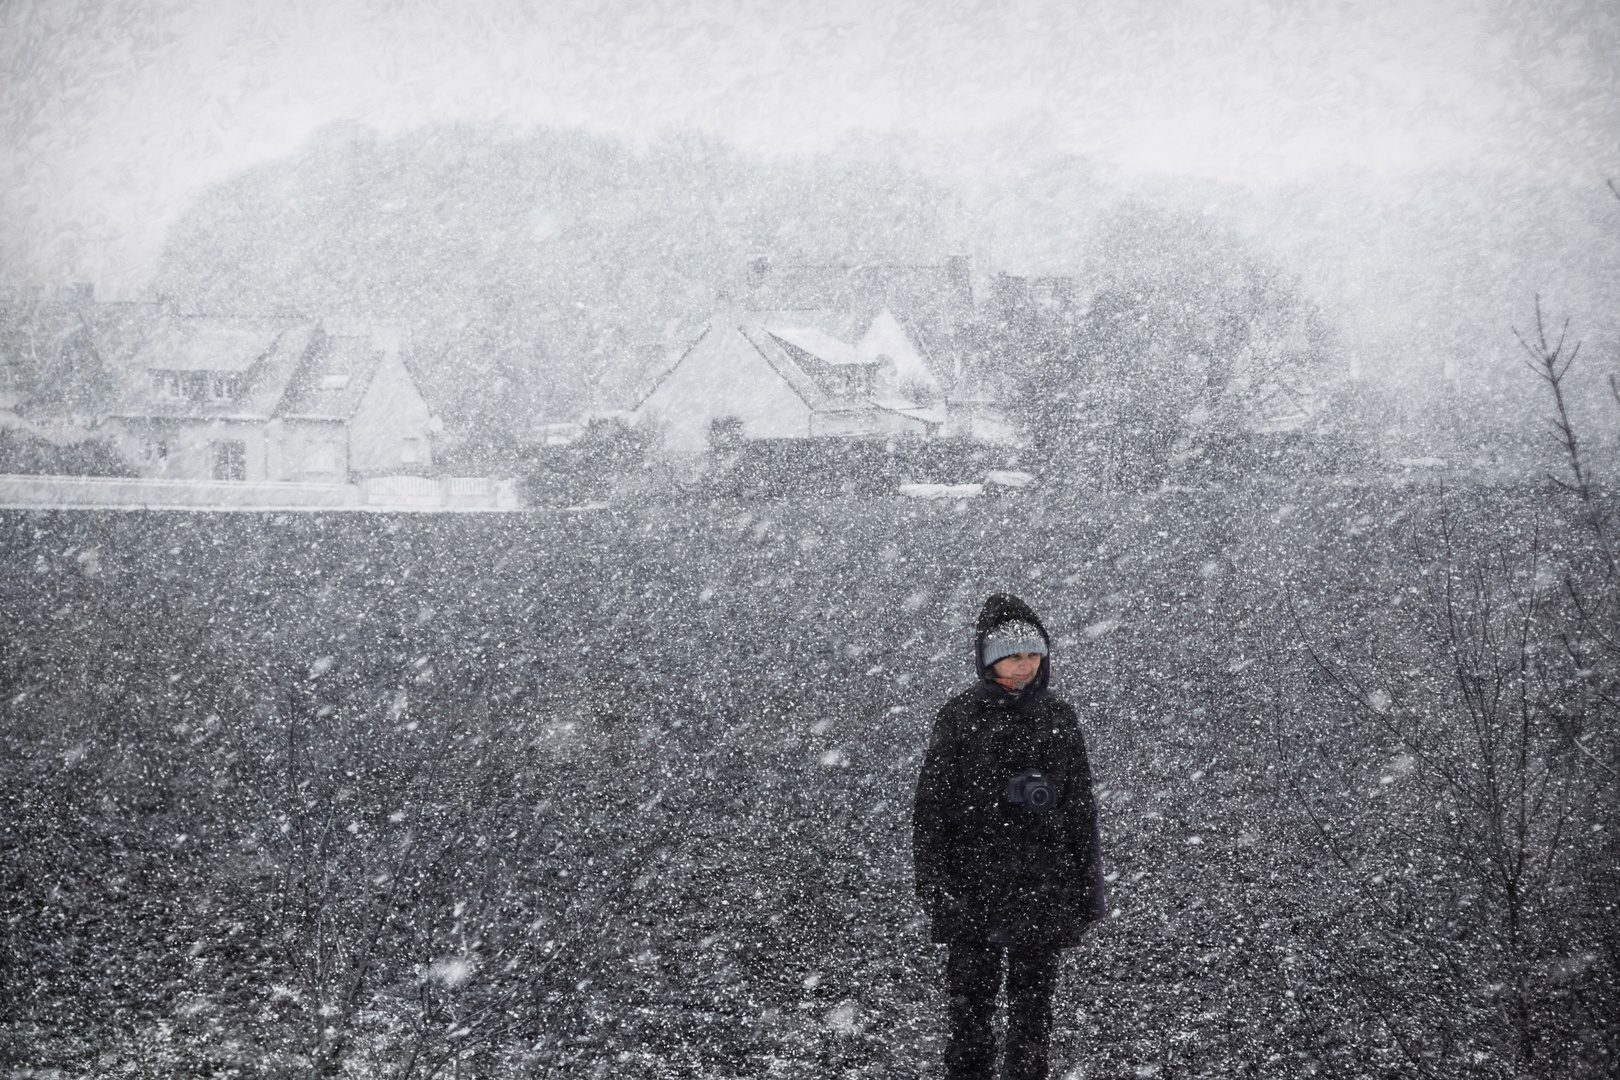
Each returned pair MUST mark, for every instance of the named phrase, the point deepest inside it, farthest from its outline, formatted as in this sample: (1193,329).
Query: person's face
(1018,668)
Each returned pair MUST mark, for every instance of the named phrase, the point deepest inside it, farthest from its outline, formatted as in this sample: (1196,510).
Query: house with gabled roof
(240,398)
(50,372)
(914,318)
(744,378)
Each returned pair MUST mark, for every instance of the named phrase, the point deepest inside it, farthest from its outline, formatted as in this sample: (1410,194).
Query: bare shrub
(1468,800)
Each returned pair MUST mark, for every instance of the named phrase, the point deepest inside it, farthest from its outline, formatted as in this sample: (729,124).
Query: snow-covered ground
(628,793)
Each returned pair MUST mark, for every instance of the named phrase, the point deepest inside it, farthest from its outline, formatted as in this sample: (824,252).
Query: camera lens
(1032,791)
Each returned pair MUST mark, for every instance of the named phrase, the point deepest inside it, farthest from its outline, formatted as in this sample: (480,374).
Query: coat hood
(1004,608)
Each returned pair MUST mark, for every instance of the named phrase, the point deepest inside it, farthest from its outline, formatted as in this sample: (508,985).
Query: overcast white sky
(117,112)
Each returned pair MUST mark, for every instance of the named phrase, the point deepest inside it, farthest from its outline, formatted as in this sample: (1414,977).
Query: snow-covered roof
(911,410)
(886,337)
(331,383)
(209,343)
(265,378)
(722,375)
(819,344)
(809,391)
(1280,410)
(728,337)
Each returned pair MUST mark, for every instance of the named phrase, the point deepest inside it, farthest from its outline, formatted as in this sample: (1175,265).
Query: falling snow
(492,502)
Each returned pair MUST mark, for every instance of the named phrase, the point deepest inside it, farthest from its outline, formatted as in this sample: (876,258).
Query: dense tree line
(1187,344)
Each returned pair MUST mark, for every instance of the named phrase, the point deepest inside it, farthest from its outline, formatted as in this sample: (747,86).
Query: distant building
(1279,409)
(236,398)
(931,301)
(779,364)
(50,371)
(743,379)
(974,414)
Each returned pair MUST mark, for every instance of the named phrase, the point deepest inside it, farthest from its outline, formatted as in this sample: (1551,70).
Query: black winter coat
(988,869)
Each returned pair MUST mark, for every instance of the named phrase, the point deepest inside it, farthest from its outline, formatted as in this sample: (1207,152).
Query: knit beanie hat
(1012,637)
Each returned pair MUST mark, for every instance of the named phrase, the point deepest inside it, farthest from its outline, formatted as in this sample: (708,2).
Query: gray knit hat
(1012,637)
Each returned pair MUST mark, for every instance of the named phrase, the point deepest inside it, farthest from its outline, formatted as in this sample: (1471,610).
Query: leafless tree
(1471,800)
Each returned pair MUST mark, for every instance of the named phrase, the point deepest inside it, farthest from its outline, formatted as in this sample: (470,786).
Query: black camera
(1033,790)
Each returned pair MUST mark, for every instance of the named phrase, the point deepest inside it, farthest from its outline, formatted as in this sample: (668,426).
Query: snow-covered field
(627,793)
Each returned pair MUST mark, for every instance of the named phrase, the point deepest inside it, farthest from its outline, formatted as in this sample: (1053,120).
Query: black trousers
(972,976)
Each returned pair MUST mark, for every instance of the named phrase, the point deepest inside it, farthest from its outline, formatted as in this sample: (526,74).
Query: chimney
(759,268)
(757,284)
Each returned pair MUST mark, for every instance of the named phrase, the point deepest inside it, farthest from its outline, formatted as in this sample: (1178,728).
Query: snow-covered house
(235,398)
(781,378)
(930,301)
(780,364)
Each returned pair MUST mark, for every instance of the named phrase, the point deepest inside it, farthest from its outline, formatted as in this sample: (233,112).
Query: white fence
(403,492)
(450,492)
(375,493)
(117,491)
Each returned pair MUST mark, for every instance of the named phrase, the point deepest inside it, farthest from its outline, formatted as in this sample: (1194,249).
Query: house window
(412,451)
(230,460)
(167,385)
(155,449)
(221,388)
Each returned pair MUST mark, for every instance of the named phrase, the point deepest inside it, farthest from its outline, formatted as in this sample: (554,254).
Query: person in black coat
(1006,844)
